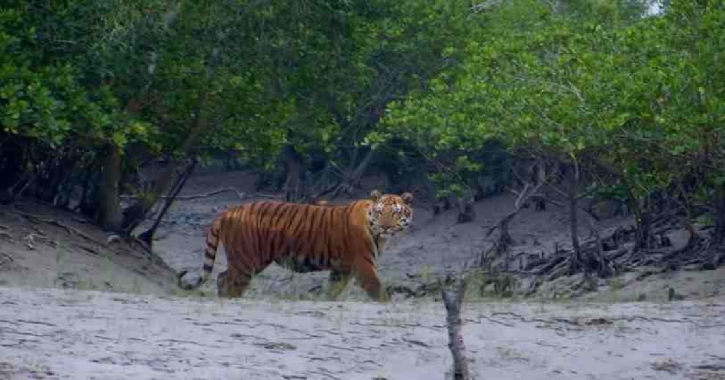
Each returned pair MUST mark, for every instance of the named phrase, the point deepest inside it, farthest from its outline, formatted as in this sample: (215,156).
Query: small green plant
(615,285)
(476,282)
(504,285)
(425,273)
(86,284)
(38,369)
(108,271)
(136,284)
(495,285)
(706,220)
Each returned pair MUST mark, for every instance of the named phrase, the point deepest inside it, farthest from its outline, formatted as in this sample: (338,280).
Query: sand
(64,334)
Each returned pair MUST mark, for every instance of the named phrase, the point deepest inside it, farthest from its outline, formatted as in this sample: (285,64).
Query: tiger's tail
(212,243)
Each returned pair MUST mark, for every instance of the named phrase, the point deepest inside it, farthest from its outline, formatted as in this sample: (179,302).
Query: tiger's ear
(407,198)
(375,195)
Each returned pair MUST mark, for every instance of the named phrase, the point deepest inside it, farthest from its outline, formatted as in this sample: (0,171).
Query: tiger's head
(390,214)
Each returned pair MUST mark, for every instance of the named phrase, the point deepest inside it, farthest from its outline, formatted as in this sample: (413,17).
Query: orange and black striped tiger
(345,239)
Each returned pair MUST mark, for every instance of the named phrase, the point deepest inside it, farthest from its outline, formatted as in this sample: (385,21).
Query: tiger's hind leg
(221,284)
(229,286)
(232,285)
(233,282)
(337,283)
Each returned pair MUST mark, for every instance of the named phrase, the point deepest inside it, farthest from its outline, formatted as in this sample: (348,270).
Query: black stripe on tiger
(209,255)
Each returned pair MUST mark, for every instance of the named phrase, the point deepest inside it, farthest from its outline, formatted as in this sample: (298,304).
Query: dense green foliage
(633,102)
(184,78)
(590,83)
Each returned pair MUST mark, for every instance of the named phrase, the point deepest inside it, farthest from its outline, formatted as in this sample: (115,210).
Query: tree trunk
(88,204)
(109,217)
(642,220)
(574,219)
(719,234)
(12,161)
(466,210)
(453,301)
(293,191)
(604,269)
(362,167)
(65,184)
(441,204)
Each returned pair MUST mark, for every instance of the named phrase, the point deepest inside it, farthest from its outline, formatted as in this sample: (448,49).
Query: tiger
(345,239)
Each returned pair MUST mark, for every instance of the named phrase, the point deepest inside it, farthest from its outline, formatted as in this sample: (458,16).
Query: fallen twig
(262,195)
(495,321)
(38,231)
(337,347)
(322,371)
(415,342)
(89,250)
(5,259)
(239,194)
(396,325)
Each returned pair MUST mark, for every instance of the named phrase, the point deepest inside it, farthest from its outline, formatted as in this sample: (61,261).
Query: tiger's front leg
(337,283)
(367,276)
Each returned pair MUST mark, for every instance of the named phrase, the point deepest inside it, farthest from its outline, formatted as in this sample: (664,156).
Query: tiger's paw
(185,284)
(384,296)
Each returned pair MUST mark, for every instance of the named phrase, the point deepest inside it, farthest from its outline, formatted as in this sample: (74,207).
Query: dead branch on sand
(453,299)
